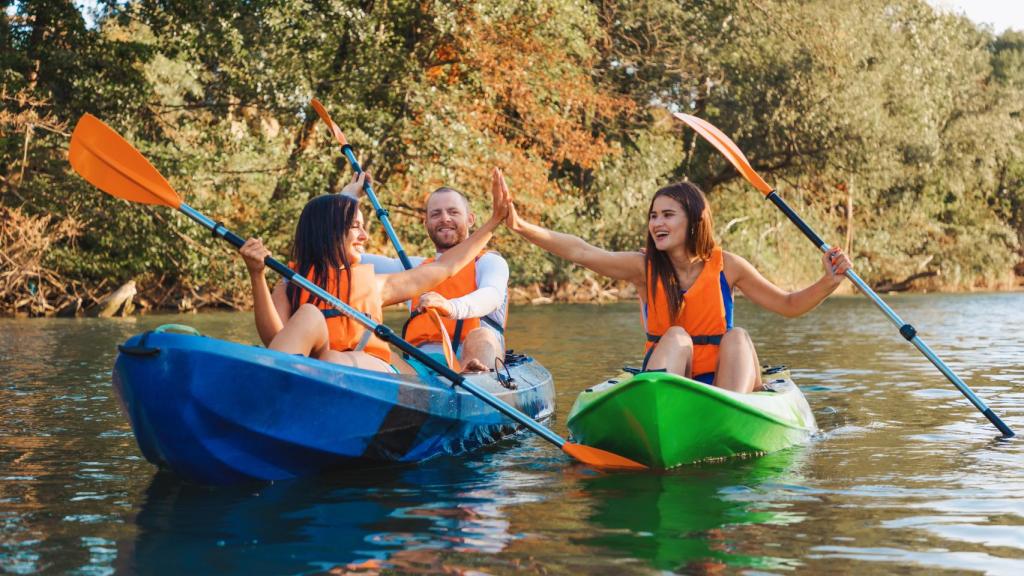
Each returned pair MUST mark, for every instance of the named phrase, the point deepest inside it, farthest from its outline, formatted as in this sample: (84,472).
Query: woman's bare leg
(401,363)
(673,353)
(305,333)
(738,367)
(356,359)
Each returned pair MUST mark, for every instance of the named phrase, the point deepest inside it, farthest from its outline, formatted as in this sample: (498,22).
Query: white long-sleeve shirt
(490,298)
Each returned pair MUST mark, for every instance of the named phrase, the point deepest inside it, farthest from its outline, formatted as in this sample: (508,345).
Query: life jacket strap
(490,322)
(405,327)
(364,340)
(707,340)
(458,326)
(457,337)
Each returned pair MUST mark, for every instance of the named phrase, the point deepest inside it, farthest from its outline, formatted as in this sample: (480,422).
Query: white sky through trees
(999,14)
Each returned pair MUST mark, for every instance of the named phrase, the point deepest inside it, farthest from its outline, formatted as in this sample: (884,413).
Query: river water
(907,477)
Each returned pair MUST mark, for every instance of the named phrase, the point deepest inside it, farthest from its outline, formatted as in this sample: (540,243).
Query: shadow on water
(395,518)
(687,519)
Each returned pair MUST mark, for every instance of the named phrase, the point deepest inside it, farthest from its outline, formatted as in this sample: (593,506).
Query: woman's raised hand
(836,264)
(253,252)
(512,220)
(355,187)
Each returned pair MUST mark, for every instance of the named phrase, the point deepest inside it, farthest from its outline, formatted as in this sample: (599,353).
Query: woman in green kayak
(686,284)
(329,240)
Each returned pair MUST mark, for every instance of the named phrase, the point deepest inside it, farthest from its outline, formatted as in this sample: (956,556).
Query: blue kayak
(219,412)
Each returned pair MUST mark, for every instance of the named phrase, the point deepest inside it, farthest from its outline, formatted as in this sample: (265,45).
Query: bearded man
(473,303)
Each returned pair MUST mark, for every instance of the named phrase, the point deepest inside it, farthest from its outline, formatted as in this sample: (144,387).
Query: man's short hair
(444,189)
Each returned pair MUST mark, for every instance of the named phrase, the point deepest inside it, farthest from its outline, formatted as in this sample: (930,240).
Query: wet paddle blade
(728,148)
(446,342)
(335,130)
(110,163)
(600,458)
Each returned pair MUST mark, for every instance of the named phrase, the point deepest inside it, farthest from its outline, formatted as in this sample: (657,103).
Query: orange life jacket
(345,333)
(419,330)
(706,314)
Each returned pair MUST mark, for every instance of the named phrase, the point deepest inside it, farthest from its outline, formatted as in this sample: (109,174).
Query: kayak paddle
(446,342)
(346,149)
(109,162)
(731,151)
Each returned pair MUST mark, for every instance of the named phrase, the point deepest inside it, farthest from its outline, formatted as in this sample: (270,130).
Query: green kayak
(664,420)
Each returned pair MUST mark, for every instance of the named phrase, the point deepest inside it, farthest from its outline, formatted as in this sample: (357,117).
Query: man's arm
(385,265)
(491,289)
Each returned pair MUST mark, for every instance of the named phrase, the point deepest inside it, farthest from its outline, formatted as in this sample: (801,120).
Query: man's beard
(441,244)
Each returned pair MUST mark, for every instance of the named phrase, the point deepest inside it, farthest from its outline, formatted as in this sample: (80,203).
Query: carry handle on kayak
(346,149)
(731,151)
(109,162)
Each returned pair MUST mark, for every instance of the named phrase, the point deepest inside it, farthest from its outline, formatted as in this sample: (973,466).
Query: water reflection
(686,520)
(396,518)
(907,478)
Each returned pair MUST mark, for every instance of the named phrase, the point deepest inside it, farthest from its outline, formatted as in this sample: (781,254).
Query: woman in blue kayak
(686,283)
(329,239)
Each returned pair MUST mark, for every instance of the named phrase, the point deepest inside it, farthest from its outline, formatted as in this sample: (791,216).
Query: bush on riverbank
(897,134)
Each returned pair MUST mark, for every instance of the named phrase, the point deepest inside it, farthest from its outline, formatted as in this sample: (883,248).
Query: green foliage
(909,116)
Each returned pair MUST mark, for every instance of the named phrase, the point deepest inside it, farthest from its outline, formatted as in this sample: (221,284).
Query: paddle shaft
(906,330)
(380,330)
(382,214)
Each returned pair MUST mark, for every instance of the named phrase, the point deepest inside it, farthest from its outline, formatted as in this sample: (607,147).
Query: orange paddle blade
(728,148)
(322,112)
(446,342)
(600,458)
(111,164)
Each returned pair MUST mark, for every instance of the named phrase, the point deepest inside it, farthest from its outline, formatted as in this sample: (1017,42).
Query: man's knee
(482,336)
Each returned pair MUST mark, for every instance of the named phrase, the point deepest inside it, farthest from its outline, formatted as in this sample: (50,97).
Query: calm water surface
(906,478)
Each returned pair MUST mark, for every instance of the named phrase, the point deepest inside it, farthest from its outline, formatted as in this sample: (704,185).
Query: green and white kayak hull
(663,420)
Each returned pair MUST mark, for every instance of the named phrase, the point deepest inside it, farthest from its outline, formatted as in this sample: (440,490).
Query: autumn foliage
(898,133)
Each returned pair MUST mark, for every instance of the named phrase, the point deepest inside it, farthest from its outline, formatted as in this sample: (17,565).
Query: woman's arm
(789,304)
(405,285)
(271,310)
(616,265)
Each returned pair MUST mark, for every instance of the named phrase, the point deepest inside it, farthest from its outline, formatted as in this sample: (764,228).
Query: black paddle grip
(1007,432)
(795,219)
(278,267)
(220,230)
(236,240)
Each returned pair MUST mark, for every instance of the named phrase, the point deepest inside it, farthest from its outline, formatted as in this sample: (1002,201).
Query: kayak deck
(663,420)
(219,412)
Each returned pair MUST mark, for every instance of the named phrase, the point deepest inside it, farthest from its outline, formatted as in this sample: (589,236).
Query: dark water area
(906,477)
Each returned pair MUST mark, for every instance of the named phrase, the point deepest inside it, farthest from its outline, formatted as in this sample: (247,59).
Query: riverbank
(32,285)
(49,300)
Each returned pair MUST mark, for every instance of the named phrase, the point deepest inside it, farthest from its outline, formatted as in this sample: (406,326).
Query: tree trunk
(118,300)
(302,140)
(848,246)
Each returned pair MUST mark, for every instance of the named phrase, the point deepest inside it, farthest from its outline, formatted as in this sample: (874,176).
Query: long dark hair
(319,245)
(700,239)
